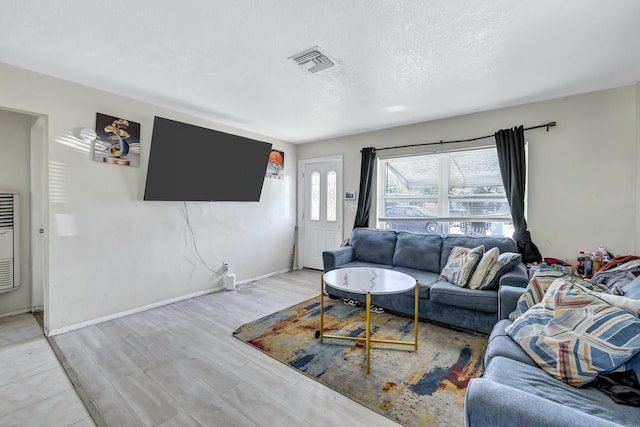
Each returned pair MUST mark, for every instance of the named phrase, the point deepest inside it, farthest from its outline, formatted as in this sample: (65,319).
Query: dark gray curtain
(511,157)
(364,195)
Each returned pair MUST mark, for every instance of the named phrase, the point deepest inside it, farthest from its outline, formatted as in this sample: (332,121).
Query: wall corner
(637,206)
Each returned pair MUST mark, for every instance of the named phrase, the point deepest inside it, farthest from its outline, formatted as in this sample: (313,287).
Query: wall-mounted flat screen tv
(192,163)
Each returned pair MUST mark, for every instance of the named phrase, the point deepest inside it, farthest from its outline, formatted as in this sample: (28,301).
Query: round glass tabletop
(367,279)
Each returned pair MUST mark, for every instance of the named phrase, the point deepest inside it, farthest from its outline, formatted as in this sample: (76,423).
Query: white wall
(14,176)
(583,173)
(108,250)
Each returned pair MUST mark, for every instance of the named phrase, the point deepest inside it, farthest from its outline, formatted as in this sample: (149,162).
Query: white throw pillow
(488,259)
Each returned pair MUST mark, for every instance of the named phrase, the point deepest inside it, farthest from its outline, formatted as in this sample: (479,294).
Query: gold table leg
(368,340)
(415,319)
(368,333)
(321,308)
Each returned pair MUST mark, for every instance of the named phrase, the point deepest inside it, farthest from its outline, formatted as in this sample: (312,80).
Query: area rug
(415,388)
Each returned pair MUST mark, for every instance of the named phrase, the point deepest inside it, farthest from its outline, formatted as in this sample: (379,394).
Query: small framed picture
(350,195)
(275,167)
(117,141)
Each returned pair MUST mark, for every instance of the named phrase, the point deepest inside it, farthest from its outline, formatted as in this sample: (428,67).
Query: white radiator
(9,241)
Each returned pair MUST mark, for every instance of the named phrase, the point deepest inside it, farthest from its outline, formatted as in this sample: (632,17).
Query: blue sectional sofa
(515,391)
(423,256)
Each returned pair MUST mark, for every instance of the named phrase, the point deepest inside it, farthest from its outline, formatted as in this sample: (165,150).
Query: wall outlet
(354,208)
(225,266)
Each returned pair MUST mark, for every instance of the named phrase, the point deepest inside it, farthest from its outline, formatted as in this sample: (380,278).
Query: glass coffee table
(369,281)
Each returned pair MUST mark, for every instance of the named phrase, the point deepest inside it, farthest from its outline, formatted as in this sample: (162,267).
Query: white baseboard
(58,331)
(286,270)
(15,313)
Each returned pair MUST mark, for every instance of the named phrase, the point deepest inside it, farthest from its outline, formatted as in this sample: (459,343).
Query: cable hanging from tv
(441,142)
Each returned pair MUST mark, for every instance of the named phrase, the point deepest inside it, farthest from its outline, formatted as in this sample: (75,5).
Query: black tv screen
(188,162)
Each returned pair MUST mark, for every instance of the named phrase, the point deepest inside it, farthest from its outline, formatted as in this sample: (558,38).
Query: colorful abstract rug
(415,388)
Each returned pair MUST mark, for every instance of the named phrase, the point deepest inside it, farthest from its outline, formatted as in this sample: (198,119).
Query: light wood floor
(34,389)
(179,365)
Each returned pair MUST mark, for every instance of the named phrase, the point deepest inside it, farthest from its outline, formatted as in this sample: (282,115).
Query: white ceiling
(399,62)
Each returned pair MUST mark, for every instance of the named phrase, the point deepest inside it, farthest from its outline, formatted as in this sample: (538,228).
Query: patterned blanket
(574,334)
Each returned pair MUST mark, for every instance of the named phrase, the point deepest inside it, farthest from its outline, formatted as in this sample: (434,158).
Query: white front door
(321,207)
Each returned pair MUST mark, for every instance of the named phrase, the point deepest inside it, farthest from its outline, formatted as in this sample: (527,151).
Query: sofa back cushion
(372,245)
(448,294)
(504,244)
(418,251)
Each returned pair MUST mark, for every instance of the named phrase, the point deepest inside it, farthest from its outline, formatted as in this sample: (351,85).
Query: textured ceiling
(399,62)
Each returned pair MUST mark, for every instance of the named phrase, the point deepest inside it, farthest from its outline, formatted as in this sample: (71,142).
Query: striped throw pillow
(461,265)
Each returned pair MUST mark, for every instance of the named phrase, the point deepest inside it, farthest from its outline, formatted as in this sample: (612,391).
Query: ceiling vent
(312,60)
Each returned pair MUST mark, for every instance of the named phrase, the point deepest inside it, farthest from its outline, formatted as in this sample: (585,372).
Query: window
(455,193)
(315,196)
(331,196)
(327,197)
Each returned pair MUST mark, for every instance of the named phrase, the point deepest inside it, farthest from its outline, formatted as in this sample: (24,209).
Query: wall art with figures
(117,141)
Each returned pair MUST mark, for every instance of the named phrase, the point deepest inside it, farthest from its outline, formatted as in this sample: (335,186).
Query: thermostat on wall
(350,195)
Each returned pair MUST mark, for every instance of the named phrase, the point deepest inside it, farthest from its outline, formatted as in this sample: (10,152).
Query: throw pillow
(460,265)
(540,282)
(454,264)
(574,335)
(488,259)
(471,261)
(505,263)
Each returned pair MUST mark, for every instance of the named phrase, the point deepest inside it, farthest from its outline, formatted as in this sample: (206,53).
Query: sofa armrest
(336,257)
(516,277)
(507,300)
(488,403)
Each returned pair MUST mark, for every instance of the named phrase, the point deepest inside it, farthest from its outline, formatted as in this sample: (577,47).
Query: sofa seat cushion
(376,246)
(537,382)
(504,346)
(424,278)
(499,330)
(418,251)
(501,344)
(446,293)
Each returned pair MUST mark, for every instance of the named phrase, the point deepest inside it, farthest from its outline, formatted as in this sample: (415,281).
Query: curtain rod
(546,125)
